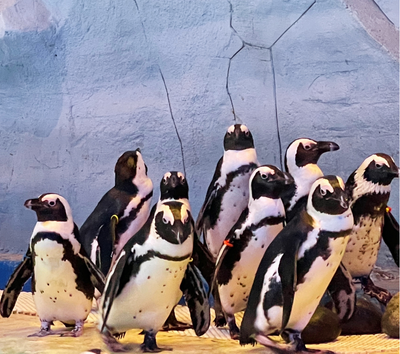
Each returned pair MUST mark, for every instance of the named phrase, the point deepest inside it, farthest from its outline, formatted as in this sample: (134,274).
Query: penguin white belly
(308,294)
(233,203)
(56,296)
(234,295)
(364,243)
(148,298)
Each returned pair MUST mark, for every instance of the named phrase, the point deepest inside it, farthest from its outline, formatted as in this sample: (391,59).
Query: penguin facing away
(297,268)
(120,213)
(369,191)
(151,272)
(248,239)
(63,277)
(227,195)
(301,160)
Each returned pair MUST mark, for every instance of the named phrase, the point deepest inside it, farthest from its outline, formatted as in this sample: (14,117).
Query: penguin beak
(173,181)
(394,172)
(325,146)
(288,178)
(179,231)
(138,150)
(33,204)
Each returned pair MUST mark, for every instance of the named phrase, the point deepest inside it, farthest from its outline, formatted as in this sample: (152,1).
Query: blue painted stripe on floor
(6,269)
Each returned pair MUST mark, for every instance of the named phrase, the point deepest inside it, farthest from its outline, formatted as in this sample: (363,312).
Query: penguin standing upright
(228,193)
(62,275)
(174,187)
(369,191)
(301,160)
(150,274)
(297,268)
(248,239)
(120,213)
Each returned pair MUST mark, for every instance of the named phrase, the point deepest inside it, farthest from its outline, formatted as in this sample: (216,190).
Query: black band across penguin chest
(321,249)
(214,209)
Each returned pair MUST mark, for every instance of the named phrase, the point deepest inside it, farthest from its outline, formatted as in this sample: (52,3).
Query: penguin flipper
(343,293)
(96,276)
(288,273)
(15,284)
(390,235)
(203,260)
(196,298)
(211,194)
(113,286)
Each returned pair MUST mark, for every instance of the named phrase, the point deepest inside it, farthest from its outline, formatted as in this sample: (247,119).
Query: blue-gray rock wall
(82,81)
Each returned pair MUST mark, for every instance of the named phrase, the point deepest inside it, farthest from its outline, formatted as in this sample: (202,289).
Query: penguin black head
(129,165)
(173,222)
(379,169)
(238,137)
(50,207)
(304,151)
(174,186)
(269,181)
(328,196)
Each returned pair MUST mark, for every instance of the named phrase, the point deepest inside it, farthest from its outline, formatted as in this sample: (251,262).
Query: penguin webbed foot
(43,333)
(149,344)
(233,328)
(112,344)
(296,344)
(44,330)
(382,295)
(76,332)
(172,324)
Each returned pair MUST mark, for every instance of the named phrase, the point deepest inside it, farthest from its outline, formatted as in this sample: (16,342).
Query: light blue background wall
(82,81)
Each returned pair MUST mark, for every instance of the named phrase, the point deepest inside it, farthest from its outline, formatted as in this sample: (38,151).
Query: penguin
(151,273)
(120,213)
(227,195)
(174,187)
(248,239)
(297,267)
(301,160)
(369,190)
(63,277)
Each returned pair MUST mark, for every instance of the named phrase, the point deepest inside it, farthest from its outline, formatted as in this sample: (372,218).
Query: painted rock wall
(82,81)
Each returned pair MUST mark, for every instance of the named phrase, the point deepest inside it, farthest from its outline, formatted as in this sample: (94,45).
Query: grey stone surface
(83,81)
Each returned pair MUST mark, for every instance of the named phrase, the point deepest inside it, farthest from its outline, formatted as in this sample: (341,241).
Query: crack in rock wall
(83,81)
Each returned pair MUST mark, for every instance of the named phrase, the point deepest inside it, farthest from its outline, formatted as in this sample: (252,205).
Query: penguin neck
(304,177)
(364,187)
(329,222)
(262,207)
(64,228)
(143,184)
(233,159)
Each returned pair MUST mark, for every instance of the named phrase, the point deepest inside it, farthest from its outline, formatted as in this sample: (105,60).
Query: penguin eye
(165,181)
(378,165)
(307,147)
(164,220)
(323,192)
(264,176)
(52,203)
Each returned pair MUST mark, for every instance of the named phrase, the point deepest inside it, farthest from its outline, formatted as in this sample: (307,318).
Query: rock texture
(83,81)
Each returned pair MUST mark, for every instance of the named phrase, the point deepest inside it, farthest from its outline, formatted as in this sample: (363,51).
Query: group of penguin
(265,241)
